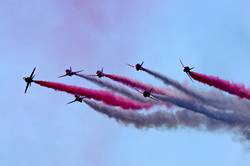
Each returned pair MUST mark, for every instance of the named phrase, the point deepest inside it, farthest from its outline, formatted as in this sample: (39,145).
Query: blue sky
(40,129)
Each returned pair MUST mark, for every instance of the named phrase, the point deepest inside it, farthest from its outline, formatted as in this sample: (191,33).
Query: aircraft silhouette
(187,69)
(29,80)
(78,99)
(69,72)
(99,73)
(147,94)
(137,67)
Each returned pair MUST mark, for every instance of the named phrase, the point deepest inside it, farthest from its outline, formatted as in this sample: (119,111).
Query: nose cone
(137,66)
(26,79)
(99,73)
(186,69)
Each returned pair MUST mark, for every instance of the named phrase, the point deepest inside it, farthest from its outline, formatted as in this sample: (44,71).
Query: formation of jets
(99,73)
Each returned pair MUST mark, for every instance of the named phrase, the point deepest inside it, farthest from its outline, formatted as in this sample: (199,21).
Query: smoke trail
(227,102)
(232,88)
(233,119)
(126,92)
(171,82)
(135,84)
(163,119)
(105,96)
(156,119)
(188,91)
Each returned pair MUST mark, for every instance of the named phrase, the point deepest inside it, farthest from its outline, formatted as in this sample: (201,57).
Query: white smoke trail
(168,120)
(212,100)
(231,118)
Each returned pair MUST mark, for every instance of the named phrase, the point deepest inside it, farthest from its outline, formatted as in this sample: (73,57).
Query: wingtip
(62,76)
(130,65)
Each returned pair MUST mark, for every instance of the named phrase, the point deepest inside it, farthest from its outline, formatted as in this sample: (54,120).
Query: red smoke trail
(135,84)
(232,88)
(105,96)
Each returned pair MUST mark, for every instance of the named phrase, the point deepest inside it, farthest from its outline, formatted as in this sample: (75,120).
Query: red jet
(187,69)
(69,72)
(78,99)
(147,94)
(137,67)
(29,80)
(99,73)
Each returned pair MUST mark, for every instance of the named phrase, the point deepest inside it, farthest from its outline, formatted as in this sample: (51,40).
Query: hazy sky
(40,129)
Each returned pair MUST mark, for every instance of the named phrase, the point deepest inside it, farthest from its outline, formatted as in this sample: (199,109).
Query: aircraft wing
(78,71)
(27,86)
(32,72)
(130,65)
(71,102)
(62,76)
(139,91)
(151,97)
(190,77)
(182,63)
